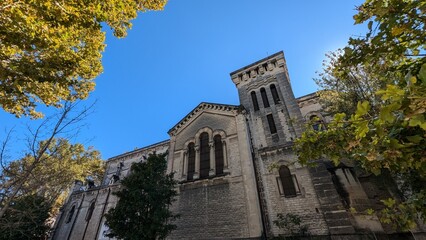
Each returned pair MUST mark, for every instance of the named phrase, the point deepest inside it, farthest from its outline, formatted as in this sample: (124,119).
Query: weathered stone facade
(237,171)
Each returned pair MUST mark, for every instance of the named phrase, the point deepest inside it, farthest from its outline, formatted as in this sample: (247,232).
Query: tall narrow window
(264,97)
(70,214)
(275,94)
(90,211)
(204,155)
(191,161)
(254,99)
(287,182)
(218,152)
(271,123)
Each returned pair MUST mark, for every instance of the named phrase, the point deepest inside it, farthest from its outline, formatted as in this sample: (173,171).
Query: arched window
(204,155)
(264,97)
(218,152)
(90,211)
(70,214)
(191,161)
(317,123)
(254,100)
(274,94)
(287,182)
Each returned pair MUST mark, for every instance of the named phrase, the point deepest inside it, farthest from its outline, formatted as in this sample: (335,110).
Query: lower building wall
(212,209)
(305,205)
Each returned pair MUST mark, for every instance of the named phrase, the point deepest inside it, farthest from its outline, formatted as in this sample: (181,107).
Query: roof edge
(257,62)
(138,150)
(190,113)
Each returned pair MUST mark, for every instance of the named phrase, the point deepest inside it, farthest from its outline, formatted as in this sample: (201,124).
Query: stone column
(197,162)
(225,157)
(212,171)
(247,169)
(185,165)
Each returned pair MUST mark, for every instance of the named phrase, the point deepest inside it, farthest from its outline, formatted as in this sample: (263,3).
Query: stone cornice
(203,107)
(260,69)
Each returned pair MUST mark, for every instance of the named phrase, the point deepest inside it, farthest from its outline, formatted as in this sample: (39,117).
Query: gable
(213,121)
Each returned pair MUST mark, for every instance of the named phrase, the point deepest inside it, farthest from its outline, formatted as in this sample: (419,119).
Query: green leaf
(390,202)
(414,139)
(418,120)
(362,108)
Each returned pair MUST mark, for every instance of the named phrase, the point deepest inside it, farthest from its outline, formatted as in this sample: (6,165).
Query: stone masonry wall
(211,209)
(305,204)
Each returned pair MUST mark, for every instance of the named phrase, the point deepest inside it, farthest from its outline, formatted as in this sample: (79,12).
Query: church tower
(265,92)
(274,121)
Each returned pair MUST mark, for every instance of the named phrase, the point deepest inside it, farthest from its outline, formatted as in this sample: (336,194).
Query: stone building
(237,171)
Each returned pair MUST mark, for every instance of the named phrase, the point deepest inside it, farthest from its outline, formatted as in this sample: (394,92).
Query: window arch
(191,161)
(264,97)
(274,94)
(218,152)
(204,155)
(317,123)
(254,100)
(90,211)
(70,214)
(287,182)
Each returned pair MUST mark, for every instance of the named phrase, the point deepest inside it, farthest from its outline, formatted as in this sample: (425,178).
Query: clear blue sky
(173,60)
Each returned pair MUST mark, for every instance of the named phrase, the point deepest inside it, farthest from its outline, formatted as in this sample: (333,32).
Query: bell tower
(265,92)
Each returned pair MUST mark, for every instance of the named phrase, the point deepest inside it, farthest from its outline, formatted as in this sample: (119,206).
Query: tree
(17,176)
(340,90)
(142,211)
(62,163)
(385,132)
(26,220)
(50,50)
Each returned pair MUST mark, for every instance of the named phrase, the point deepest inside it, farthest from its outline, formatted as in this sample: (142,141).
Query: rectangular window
(271,123)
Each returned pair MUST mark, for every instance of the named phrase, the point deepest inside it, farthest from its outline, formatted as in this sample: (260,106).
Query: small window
(254,100)
(271,124)
(287,182)
(264,98)
(90,211)
(317,123)
(204,155)
(218,152)
(70,214)
(191,161)
(275,94)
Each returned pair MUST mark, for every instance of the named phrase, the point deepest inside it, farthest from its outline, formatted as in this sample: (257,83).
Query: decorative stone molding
(231,110)
(262,83)
(259,69)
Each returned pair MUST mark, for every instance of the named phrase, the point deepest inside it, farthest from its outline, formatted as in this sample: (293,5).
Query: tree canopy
(142,211)
(384,129)
(34,198)
(27,219)
(52,177)
(50,50)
